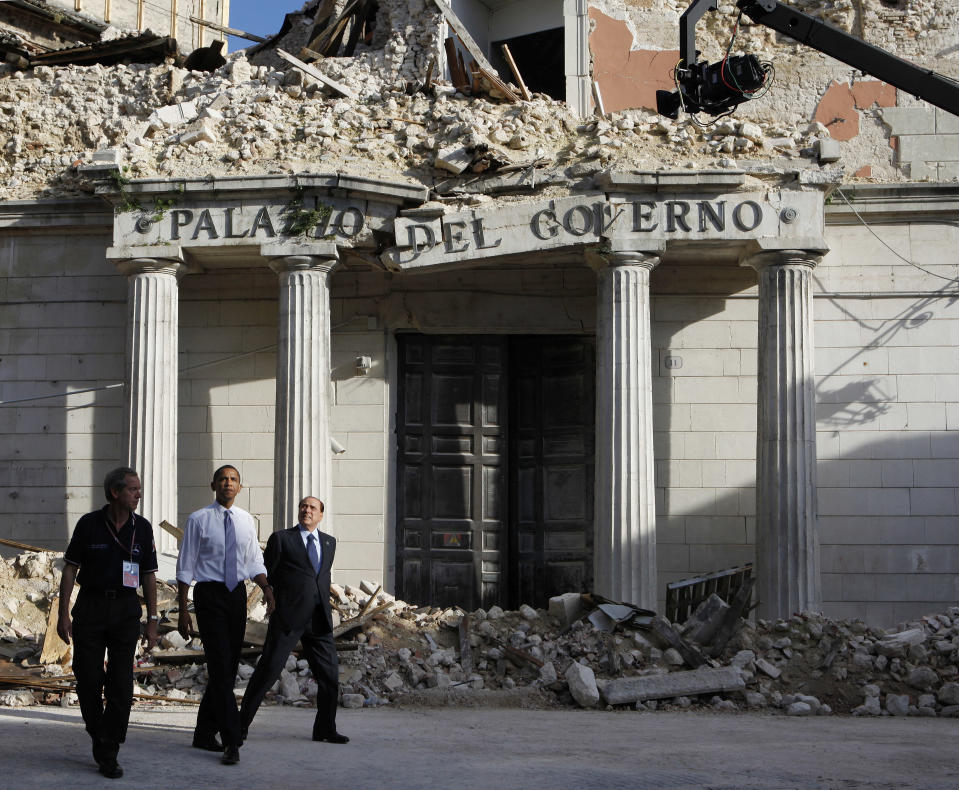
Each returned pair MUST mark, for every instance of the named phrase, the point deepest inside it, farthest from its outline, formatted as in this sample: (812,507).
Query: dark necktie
(229,552)
(314,554)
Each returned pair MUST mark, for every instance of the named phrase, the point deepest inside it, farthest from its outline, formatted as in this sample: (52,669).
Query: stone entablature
(647,211)
(237,212)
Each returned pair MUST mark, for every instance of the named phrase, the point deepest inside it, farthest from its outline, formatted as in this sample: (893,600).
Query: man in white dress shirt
(220,550)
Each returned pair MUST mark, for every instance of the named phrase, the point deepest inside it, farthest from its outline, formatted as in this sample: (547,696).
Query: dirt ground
(480,748)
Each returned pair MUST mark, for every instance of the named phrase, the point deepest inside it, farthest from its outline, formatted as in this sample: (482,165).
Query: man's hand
(270,601)
(184,623)
(149,638)
(64,627)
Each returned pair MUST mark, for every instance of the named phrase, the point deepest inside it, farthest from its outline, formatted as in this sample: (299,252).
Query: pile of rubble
(388,116)
(149,121)
(394,652)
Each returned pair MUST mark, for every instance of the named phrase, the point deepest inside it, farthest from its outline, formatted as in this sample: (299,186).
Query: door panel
(450,508)
(495,463)
(551,466)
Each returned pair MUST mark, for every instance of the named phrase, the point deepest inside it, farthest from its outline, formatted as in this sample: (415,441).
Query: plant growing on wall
(302,221)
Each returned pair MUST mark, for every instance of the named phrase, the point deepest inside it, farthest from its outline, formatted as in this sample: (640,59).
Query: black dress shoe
(110,769)
(331,737)
(210,744)
(231,755)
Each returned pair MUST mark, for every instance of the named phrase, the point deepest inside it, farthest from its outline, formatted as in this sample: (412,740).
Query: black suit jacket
(298,591)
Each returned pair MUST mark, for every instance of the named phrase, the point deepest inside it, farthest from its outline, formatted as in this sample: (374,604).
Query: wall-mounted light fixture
(363,365)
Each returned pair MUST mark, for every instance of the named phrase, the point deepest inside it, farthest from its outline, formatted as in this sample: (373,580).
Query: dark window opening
(539,58)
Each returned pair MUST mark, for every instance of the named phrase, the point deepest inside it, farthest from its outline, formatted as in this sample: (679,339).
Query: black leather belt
(121,593)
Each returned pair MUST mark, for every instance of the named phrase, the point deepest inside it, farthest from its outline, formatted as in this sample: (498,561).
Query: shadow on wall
(227,388)
(887,497)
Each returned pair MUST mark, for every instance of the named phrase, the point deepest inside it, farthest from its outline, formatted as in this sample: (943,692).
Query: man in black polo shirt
(110,554)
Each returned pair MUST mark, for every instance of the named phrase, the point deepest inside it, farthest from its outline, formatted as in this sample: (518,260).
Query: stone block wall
(63,317)
(359,420)
(227,391)
(704,419)
(887,382)
(927,141)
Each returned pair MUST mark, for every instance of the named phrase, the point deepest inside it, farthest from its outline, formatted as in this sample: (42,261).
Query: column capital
(154,259)
(301,263)
(294,256)
(795,257)
(620,252)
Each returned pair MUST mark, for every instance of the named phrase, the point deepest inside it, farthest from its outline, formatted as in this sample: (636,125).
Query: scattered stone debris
(266,116)
(395,652)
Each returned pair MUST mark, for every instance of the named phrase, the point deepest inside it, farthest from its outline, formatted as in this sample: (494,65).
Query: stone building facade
(163,17)
(604,376)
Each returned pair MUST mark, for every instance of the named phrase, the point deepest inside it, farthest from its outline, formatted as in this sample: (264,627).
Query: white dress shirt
(202,548)
(305,535)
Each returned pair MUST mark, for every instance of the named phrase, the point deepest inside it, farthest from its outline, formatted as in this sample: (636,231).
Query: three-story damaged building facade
(520,347)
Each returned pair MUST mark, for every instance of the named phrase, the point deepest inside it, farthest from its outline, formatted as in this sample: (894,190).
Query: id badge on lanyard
(131,569)
(131,574)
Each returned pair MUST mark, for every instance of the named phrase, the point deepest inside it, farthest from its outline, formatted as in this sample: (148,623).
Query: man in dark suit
(298,562)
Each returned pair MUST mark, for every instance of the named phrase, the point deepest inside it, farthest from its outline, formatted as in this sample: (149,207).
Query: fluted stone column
(302,460)
(787,547)
(150,416)
(625,528)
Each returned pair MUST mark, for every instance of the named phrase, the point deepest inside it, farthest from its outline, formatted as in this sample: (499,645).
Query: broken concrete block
(828,150)
(582,685)
(528,612)
(870,707)
(339,594)
(703,623)
(897,645)
(566,607)
(203,130)
(16,698)
(897,704)
(175,114)
(799,709)
(173,641)
(949,694)
(547,674)
(352,700)
(672,657)
(393,681)
(694,682)
(455,160)
(240,71)
(923,678)
(289,686)
(812,702)
(755,700)
(769,669)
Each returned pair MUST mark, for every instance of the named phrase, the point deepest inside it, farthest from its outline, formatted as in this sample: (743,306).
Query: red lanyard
(116,535)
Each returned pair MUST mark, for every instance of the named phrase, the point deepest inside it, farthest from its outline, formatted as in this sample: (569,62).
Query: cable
(903,259)
(62,394)
(768,71)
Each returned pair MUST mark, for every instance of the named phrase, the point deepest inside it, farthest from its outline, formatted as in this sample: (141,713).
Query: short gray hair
(117,479)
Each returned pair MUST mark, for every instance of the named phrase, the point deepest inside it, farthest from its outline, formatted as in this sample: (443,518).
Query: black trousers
(108,626)
(319,650)
(221,621)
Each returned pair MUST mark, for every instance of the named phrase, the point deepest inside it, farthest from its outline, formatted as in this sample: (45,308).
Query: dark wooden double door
(494,469)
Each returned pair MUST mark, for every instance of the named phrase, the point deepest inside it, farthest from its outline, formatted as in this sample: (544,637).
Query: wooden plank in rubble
(316,74)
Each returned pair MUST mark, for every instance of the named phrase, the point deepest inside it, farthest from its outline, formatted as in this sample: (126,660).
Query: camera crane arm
(920,82)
